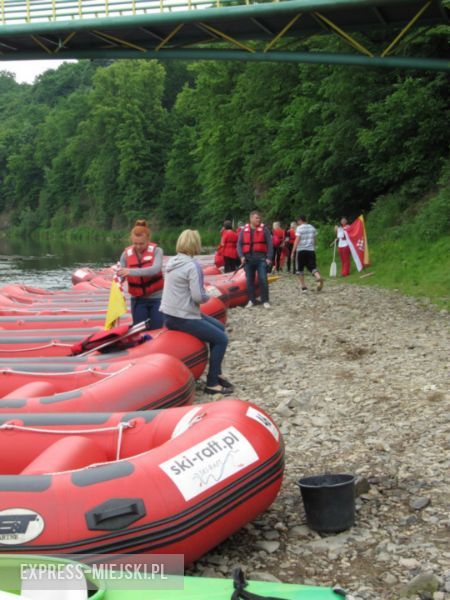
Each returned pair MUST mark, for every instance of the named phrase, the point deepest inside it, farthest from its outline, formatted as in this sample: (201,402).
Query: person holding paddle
(343,247)
(141,265)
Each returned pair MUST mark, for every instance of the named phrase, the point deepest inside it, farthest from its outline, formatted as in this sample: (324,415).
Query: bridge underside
(378,33)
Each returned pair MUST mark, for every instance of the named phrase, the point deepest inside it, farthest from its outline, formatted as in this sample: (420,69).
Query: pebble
(390,579)
(423,584)
(409,563)
(355,377)
(263,576)
(419,502)
(267,546)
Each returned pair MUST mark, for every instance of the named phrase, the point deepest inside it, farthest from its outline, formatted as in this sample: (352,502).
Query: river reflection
(49,264)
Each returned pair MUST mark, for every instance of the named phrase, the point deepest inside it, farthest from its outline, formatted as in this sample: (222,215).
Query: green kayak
(205,588)
(16,572)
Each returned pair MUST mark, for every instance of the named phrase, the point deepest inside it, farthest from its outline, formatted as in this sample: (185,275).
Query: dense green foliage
(96,144)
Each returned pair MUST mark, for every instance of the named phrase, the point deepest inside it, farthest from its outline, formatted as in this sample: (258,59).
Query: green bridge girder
(219,30)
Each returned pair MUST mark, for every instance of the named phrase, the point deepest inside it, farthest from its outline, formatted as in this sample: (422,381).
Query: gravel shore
(357,380)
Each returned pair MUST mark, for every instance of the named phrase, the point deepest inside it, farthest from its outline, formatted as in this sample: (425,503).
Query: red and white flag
(355,235)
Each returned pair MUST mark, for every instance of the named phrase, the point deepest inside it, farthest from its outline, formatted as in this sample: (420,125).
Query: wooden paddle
(333,267)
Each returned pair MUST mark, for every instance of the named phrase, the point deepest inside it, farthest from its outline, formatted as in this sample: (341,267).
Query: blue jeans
(143,308)
(207,330)
(252,266)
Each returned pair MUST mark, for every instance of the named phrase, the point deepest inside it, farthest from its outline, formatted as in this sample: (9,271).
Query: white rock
(267,546)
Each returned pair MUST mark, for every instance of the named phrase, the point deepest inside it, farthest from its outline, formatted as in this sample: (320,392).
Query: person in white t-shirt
(305,251)
(343,247)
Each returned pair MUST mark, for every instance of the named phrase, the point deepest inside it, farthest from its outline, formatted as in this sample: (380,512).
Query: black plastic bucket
(329,501)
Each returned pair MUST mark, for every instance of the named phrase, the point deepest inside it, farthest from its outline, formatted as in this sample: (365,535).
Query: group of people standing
(261,250)
(174,301)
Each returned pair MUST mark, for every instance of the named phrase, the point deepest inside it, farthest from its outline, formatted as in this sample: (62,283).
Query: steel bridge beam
(189,16)
(355,60)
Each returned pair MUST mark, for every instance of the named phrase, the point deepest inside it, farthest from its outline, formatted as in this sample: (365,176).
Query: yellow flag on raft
(117,305)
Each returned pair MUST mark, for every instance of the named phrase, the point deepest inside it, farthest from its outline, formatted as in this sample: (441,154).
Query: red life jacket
(229,243)
(291,236)
(143,286)
(113,337)
(259,240)
(277,237)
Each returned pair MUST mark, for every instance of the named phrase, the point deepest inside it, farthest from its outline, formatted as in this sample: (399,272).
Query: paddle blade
(333,269)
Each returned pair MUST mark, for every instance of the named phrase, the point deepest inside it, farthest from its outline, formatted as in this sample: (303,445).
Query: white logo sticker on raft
(80,273)
(211,461)
(19,526)
(213,291)
(261,418)
(185,422)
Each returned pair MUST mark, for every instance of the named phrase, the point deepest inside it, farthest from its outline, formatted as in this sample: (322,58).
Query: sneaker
(319,284)
(266,305)
(304,289)
(249,304)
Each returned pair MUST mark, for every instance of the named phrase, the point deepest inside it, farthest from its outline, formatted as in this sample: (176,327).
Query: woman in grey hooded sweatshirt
(182,295)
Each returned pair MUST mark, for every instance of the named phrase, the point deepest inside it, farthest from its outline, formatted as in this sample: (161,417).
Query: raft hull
(71,319)
(187,348)
(158,381)
(194,476)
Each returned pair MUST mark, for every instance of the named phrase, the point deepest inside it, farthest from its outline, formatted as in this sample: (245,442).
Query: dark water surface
(50,264)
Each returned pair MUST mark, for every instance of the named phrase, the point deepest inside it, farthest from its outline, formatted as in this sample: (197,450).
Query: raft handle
(115,514)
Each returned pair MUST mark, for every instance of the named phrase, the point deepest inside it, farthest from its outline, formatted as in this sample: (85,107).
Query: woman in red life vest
(141,264)
(289,242)
(343,247)
(278,235)
(228,244)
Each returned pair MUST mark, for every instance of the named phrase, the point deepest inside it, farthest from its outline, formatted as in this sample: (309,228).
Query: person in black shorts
(305,247)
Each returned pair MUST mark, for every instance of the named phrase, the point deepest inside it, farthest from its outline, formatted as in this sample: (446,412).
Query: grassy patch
(413,268)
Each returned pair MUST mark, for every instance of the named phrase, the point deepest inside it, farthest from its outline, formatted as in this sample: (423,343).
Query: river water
(50,264)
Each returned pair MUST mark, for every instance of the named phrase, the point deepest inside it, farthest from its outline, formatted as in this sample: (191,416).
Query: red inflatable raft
(30,323)
(53,317)
(233,286)
(158,381)
(174,481)
(45,349)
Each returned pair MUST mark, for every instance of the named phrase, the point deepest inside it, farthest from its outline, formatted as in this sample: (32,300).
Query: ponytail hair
(141,228)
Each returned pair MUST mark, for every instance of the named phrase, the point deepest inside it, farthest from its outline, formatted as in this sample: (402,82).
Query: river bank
(356,379)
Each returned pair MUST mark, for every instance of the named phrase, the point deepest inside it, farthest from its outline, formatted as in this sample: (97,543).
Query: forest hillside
(93,145)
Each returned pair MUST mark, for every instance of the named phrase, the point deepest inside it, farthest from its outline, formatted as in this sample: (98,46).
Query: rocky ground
(357,380)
